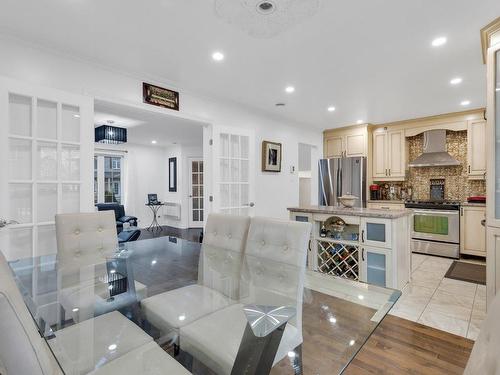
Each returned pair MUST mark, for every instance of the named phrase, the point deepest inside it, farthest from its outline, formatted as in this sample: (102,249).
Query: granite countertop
(471,204)
(355,211)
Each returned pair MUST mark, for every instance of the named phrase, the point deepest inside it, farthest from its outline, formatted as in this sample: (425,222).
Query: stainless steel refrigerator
(342,176)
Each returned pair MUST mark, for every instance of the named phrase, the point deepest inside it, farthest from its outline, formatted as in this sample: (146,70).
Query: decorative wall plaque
(160,96)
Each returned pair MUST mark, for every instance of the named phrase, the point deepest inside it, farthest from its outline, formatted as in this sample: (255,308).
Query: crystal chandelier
(265,18)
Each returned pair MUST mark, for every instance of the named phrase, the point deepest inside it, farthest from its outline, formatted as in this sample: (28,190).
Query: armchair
(120,216)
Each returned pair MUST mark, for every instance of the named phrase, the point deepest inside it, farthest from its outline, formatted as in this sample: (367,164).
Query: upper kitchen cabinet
(476,152)
(388,155)
(345,142)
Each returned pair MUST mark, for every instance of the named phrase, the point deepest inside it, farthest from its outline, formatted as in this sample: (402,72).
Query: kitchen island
(361,244)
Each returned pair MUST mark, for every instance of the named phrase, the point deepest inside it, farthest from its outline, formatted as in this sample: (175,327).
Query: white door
(46,147)
(196,201)
(234,169)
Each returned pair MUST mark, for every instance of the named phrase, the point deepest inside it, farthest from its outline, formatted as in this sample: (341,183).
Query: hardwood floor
(399,346)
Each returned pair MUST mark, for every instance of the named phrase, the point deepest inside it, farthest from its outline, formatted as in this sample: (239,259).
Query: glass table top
(94,311)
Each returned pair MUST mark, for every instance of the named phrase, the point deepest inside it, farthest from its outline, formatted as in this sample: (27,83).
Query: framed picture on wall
(271,156)
(172,174)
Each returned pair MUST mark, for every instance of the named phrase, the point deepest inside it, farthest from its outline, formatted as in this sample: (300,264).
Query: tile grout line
(471,311)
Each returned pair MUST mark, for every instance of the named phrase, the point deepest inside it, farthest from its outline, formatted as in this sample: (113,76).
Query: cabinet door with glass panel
(375,232)
(376,266)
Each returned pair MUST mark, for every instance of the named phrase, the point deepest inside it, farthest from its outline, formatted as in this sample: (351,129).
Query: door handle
(363,236)
(483,222)
(469,168)
(4,223)
(389,171)
(251,204)
(363,254)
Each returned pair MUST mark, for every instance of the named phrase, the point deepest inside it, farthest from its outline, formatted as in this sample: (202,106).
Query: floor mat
(473,273)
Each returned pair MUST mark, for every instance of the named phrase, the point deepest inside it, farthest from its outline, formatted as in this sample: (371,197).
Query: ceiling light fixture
(465,103)
(76,116)
(352,342)
(218,56)
(440,41)
(182,317)
(153,141)
(456,81)
(110,134)
(290,89)
(359,122)
(332,320)
(361,296)
(331,109)
(112,347)
(291,354)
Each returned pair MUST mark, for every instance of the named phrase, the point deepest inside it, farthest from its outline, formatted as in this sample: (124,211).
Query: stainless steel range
(435,228)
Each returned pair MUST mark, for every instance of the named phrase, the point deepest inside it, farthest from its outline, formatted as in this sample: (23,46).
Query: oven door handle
(435,212)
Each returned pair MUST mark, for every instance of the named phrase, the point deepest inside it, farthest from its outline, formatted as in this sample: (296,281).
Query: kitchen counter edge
(355,211)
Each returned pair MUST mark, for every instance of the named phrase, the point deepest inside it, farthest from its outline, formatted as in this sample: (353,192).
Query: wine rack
(338,259)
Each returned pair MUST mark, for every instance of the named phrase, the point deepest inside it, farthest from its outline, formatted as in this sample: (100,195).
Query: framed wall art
(271,156)
(172,174)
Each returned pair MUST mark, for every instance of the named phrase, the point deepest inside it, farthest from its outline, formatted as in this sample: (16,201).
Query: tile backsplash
(457,184)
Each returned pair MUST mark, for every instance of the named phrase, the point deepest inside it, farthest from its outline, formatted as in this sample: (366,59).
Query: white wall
(274,192)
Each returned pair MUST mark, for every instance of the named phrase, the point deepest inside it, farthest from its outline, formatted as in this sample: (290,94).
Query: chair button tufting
(263,243)
(229,236)
(99,229)
(215,233)
(285,248)
(77,231)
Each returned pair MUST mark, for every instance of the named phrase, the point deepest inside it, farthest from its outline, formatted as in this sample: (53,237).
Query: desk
(155,207)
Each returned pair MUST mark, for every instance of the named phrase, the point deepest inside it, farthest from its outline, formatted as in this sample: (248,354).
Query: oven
(435,229)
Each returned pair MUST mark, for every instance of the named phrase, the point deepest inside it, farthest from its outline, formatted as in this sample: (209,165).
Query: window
(108,179)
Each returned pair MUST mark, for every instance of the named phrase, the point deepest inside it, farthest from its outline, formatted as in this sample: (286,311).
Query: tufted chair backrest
(22,350)
(274,264)
(484,358)
(221,254)
(85,238)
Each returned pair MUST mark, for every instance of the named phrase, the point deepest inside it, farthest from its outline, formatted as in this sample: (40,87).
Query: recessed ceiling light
(290,89)
(153,262)
(76,116)
(218,56)
(465,102)
(291,354)
(456,81)
(112,347)
(359,122)
(438,42)
(352,342)
(153,141)
(332,319)
(331,109)
(361,296)
(75,309)
(182,317)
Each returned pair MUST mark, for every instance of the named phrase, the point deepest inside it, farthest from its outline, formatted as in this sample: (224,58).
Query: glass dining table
(338,315)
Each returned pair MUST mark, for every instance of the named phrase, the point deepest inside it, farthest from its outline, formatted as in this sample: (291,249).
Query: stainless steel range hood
(435,154)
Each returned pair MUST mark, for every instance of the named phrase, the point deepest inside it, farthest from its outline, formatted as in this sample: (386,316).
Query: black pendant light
(110,134)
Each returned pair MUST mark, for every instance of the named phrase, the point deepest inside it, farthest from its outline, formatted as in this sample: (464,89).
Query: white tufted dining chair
(484,358)
(218,278)
(273,274)
(84,241)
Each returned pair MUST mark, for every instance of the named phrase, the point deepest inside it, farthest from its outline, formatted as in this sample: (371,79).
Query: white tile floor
(449,305)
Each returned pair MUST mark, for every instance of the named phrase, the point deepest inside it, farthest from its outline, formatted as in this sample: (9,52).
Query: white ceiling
(145,126)
(371,59)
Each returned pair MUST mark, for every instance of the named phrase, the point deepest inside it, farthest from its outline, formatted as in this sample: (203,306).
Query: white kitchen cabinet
(476,150)
(375,232)
(355,145)
(376,266)
(472,233)
(349,142)
(388,155)
(334,147)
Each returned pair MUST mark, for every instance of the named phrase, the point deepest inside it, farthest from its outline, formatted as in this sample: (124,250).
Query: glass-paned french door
(196,201)
(42,138)
(108,179)
(234,163)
